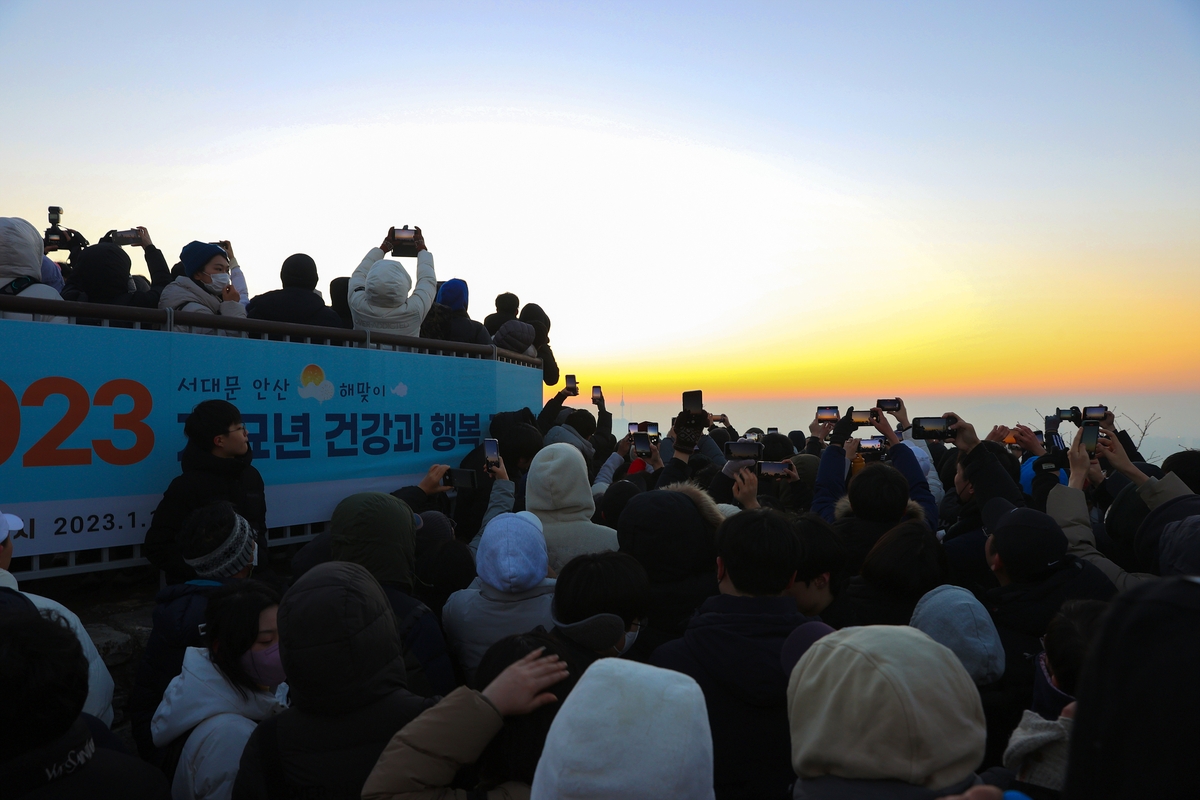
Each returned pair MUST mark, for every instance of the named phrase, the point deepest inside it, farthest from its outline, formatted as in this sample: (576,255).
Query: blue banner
(91,422)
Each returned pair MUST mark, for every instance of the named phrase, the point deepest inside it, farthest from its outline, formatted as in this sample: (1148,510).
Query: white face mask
(630,638)
(219,281)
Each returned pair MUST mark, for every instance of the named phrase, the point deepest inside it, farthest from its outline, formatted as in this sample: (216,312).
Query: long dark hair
(231,627)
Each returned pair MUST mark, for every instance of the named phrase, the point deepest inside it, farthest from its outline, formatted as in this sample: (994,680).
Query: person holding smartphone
(379,291)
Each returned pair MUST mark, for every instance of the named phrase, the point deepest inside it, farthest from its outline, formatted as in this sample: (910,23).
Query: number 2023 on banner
(48,451)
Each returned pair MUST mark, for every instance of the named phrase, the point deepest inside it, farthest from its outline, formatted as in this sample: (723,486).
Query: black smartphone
(403,242)
(693,401)
(771,469)
(461,479)
(491,452)
(888,405)
(871,443)
(129,237)
(772,430)
(754,437)
(1095,412)
(641,445)
(828,414)
(571,384)
(932,428)
(743,451)
(861,417)
(633,427)
(597,395)
(1091,435)
(652,429)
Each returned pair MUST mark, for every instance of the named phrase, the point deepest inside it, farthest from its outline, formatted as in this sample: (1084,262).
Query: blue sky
(746,161)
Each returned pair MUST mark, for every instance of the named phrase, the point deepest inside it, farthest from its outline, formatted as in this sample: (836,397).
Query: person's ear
(791,581)
(720,569)
(822,580)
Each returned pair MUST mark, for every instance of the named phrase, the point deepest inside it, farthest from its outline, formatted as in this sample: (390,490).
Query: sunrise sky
(773,202)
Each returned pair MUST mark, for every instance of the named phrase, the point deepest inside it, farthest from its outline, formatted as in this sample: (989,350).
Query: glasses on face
(239,428)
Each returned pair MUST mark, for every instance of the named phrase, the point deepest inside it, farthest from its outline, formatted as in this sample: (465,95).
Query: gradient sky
(769,201)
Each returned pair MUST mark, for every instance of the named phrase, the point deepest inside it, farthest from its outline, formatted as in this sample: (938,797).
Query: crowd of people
(379,296)
(706,614)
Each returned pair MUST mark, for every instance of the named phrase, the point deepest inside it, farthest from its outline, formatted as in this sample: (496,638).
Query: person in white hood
(21,251)
(100,682)
(379,290)
(628,730)
(223,692)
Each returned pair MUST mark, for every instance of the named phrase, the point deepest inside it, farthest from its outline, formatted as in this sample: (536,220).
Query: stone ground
(117,608)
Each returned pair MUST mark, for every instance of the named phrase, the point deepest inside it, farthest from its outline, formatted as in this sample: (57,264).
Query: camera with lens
(57,237)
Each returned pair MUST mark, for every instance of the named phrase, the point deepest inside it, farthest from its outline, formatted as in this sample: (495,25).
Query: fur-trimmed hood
(671,531)
(703,501)
(843,511)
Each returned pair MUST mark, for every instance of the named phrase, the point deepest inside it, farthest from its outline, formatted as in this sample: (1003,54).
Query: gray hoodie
(379,294)
(558,492)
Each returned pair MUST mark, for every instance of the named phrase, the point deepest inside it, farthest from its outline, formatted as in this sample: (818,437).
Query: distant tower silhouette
(622,402)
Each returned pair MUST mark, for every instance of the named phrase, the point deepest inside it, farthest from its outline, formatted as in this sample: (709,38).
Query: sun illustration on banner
(313,385)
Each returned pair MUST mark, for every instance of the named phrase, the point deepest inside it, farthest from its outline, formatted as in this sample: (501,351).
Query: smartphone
(641,445)
(771,469)
(633,427)
(932,428)
(888,405)
(571,384)
(460,479)
(1095,412)
(652,429)
(861,417)
(828,414)
(772,430)
(491,452)
(1040,437)
(754,437)
(1091,434)
(871,443)
(693,401)
(404,234)
(404,242)
(743,451)
(129,237)
(597,395)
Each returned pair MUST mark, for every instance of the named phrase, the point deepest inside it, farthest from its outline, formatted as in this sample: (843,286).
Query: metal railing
(166,320)
(75,562)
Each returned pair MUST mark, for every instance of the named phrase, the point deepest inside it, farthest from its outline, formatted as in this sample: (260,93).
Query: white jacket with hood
(100,682)
(201,697)
(559,494)
(379,297)
(186,294)
(21,250)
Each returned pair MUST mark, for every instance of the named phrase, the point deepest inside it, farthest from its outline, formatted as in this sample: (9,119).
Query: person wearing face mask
(599,602)
(219,544)
(225,689)
(205,287)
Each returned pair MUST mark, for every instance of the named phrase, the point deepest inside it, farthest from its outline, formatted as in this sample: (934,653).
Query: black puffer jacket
(295,305)
(100,274)
(342,657)
(205,479)
(464,329)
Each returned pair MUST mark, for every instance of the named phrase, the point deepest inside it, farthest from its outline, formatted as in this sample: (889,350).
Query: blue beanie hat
(196,254)
(453,294)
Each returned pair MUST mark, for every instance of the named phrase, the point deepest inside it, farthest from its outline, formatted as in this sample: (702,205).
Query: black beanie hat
(299,272)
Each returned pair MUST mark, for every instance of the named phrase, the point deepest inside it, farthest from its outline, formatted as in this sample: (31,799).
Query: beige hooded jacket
(559,494)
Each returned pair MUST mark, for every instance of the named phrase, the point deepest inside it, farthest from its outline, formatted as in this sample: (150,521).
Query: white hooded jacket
(201,697)
(379,298)
(21,251)
(100,682)
(628,730)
